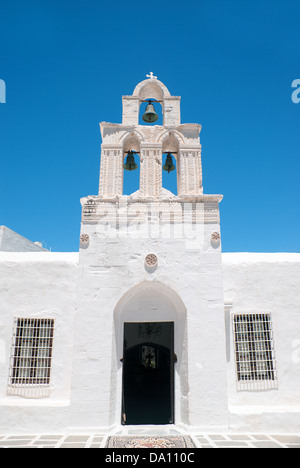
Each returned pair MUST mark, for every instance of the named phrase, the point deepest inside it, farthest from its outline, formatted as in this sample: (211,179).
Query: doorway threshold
(149,436)
(149,429)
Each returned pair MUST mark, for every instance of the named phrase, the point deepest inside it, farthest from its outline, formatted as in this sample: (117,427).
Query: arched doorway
(150,304)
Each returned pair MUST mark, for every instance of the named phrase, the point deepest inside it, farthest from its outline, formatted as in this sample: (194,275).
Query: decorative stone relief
(151,259)
(151,262)
(84,240)
(215,239)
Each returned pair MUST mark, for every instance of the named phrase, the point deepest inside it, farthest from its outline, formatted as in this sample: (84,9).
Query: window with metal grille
(31,352)
(254,348)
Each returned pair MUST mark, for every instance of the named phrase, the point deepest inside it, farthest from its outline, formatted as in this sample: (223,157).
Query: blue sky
(67,64)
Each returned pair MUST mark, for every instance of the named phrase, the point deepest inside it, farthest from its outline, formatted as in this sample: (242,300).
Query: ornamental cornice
(201,198)
(186,134)
(203,208)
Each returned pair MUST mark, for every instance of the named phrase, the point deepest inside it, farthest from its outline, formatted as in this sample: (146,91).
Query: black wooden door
(148,373)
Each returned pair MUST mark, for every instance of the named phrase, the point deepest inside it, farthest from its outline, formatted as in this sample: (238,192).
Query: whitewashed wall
(115,286)
(40,285)
(87,394)
(266,283)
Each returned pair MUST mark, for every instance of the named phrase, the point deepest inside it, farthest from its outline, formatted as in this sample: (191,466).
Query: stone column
(171,111)
(111,172)
(150,172)
(130,115)
(189,172)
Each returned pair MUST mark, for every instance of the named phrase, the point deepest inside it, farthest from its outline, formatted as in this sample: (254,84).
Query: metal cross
(151,76)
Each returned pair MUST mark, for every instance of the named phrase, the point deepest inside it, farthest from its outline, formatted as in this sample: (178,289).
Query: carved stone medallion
(151,260)
(84,239)
(215,238)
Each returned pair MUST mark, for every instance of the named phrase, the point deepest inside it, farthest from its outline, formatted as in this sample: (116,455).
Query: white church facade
(150,323)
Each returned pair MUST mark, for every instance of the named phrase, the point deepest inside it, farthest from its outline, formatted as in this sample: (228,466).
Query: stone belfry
(150,264)
(151,142)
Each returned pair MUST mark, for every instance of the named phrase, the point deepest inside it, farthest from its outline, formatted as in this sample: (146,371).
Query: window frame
(31,353)
(254,351)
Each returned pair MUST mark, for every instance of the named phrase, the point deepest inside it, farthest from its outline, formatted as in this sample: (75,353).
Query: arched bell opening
(131,164)
(170,152)
(150,112)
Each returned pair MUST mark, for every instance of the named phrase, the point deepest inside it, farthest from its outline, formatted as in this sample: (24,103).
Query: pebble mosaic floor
(200,440)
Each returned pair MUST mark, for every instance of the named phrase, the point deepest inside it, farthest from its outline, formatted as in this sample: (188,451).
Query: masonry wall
(10,241)
(44,285)
(37,285)
(115,285)
(265,283)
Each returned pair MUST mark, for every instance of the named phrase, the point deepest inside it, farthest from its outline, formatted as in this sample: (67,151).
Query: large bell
(169,166)
(130,164)
(150,115)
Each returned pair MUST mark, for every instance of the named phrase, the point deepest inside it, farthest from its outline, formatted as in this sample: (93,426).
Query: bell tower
(150,143)
(152,257)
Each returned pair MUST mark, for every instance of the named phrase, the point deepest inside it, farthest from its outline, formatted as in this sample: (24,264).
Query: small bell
(130,164)
(150,115)
(169,166)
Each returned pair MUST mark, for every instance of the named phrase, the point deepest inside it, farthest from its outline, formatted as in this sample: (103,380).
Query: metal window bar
(31,352)
(254,347)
